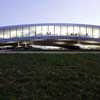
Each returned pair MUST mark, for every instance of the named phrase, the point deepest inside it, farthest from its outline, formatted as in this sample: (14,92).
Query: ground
(49,76)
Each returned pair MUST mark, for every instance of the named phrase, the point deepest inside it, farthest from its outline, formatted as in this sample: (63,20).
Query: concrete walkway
(50,52)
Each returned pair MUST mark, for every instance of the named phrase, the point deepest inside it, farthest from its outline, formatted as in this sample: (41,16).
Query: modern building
(49,31)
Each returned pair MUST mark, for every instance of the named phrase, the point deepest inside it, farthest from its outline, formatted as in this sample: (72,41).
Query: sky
(13,12)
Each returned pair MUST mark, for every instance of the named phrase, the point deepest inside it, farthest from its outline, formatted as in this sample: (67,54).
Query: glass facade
(1,34)
(7,33)
(82,31)
(32,30)
(19,32)
(76,30)
(64,30)
(89,31)
(45,30)
(49,29)
(26,32)
(57,30)
(38,30)
(70,30)
(96,32)
(13,33)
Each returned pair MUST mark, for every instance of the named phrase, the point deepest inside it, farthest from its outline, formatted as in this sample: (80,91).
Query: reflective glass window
(19,32)
(82,31)
(38,30)
(13,33)
(51,30)
(6,33)
(63,30)
(1,34)
(96,32)
(45,30)
(76,30)
(57,30)
(89,31)
(70,30)
(26,32)
(32,30)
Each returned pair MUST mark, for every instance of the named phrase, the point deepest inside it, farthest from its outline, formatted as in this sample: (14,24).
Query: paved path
(49,52)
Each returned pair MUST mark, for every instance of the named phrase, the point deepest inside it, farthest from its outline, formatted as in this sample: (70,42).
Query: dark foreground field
(50,77)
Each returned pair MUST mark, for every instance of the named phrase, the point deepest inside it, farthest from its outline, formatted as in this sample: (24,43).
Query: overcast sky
(14,12)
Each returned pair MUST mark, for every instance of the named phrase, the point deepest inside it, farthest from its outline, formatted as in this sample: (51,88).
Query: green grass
(50,77)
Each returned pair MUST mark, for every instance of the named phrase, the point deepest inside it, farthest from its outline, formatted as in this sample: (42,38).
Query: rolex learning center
(61,36)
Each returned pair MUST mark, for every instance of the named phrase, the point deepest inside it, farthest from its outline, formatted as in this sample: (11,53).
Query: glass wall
(45,30)
(32,30)
(19,32)
(51,30)
(82,31)
(38,30)
(1,34)
(57,30)
(13,33)
(64,30)
(6,34)
(89,31)
(70,30)
(96,32)
(76,30)
(26,32)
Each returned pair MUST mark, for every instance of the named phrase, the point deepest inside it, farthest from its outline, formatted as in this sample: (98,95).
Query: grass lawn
(49,77)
